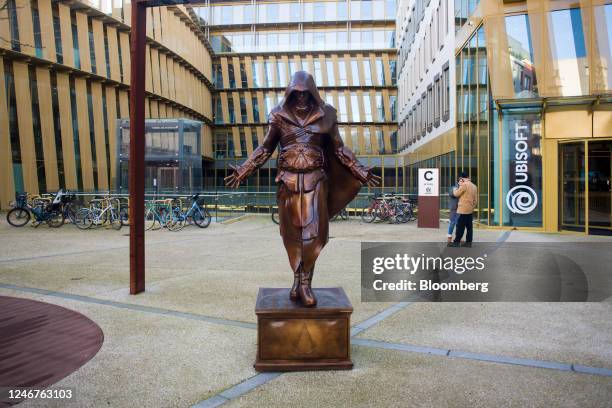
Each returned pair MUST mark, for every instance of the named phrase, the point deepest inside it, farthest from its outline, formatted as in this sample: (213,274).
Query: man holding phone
(467,195)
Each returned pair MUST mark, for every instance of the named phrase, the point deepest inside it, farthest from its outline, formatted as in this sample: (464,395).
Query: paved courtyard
(190,339)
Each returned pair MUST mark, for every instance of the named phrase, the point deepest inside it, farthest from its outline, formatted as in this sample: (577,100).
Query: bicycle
(100,212)
(274,215)
(197,213)
(343,215)
(157,212)
(44,209)
(378,207)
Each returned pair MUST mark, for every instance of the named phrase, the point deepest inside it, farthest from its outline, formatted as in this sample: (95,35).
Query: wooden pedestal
(291,337)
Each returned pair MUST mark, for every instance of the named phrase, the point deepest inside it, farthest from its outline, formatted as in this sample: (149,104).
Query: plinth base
(291,337)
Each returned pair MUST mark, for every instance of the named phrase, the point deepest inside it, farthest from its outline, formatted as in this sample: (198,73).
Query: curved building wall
(64,82)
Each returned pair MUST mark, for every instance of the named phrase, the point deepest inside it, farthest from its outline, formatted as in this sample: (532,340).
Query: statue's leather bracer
(255,161)
(348,159)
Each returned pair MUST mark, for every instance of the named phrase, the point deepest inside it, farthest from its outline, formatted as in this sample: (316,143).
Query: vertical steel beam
(137,147)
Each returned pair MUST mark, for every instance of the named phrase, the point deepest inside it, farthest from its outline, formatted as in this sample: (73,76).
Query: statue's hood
(302,81)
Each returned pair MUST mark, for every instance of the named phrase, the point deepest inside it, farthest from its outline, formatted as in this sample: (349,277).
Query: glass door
(572,186)
(599,189)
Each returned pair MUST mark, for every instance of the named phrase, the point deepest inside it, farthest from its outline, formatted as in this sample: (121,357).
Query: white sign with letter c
(428,182)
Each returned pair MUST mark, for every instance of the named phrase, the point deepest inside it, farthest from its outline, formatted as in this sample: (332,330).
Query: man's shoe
(466,244)
(453,244)
(449,239)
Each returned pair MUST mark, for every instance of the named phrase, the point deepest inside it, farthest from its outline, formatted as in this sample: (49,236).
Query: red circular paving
(41,343)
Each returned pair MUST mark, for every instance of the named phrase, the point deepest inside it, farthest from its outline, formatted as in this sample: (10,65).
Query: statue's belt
(301,158)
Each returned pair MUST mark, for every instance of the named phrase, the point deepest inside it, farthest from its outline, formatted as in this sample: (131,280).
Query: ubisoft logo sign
(521,199)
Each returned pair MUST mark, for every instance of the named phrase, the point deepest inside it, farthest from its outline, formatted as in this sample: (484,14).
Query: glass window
(106,54)
(281,73)
(355,72)
(355,39)
(342,10)
(319,11)
(342,40)
(330,73)
(272,13)
(380,107)
(343,110)
(355,108)
(319,41)
(378,10)
(230,105)
(366,10)
(318,75)
(390,9)
(393,107)
(308,12)
(218,110)
(243,76)
(355,10)
(367,107)
(521,56)
(603,28)
(75,47)
(367,141)
(294,12)
(367,72)
(243,147)
(255,70)
(568,52)
(58,39)
(269,74)
(355,140)
(381,140)
(36,29)
(378,39)
(342,72)
(268,101)
(243,110)
(232,78)
(226,14)
(255,109)
(13,24)
(380,71)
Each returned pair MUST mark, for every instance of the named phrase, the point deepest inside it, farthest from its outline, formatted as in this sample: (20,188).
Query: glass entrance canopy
(173,160)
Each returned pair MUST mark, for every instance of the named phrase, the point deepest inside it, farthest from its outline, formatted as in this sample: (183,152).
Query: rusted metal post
(137,147)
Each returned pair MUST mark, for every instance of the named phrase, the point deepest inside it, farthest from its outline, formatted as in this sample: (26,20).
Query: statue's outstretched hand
(234,179)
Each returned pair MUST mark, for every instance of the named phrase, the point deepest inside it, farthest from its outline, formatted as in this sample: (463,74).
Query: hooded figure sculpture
(317,176)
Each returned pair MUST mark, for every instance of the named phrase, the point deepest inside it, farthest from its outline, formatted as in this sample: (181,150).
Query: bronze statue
(317,176)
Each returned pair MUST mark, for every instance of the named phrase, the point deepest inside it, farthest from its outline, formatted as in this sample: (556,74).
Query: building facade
(348,46)
(534,113)
(426,84)
(64,82)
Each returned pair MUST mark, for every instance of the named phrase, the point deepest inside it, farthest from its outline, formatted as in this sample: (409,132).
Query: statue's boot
(305,290)
(293,293)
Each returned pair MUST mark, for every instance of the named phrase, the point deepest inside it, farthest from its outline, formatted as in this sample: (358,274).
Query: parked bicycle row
(389,207)
(109,210)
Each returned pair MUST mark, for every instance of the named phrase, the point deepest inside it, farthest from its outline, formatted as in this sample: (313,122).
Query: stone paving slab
(150,360)
(566,332)
(386,378)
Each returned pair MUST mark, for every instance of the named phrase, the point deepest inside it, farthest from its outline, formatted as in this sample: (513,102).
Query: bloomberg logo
(521,199)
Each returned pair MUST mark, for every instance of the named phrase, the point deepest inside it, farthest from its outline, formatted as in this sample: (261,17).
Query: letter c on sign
(428,175)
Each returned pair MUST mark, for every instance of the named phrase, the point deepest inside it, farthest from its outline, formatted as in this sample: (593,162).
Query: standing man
(467,194)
